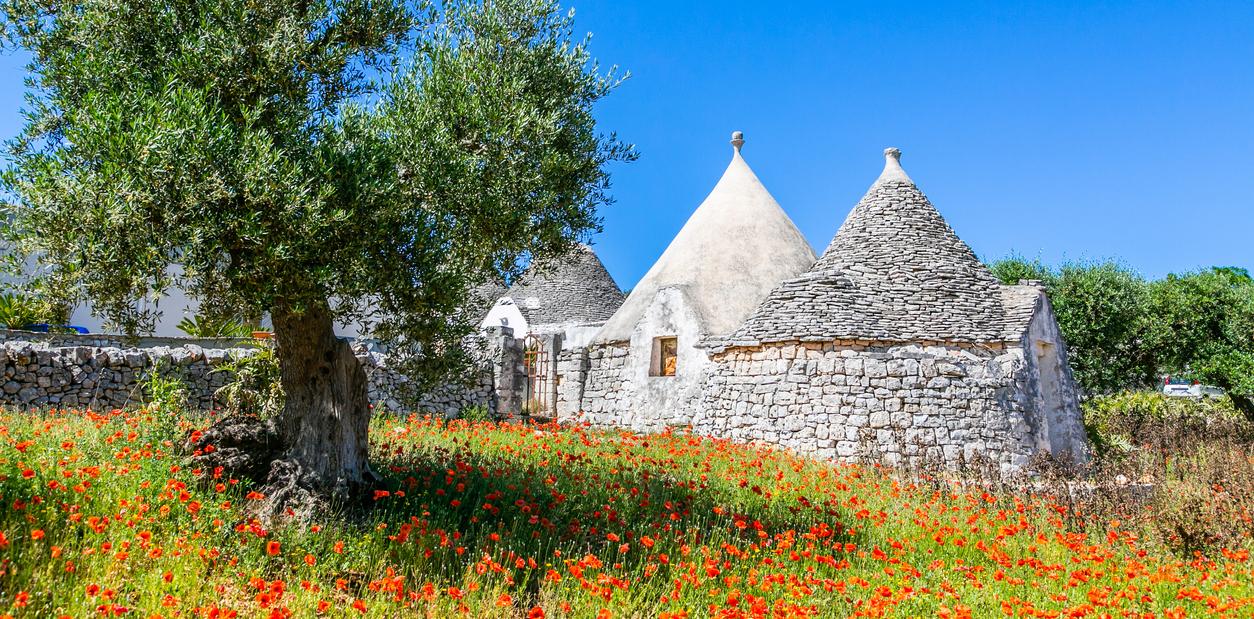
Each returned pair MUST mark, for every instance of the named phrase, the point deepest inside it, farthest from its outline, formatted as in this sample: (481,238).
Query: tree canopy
(384,157)
(1123,331)
(368,161)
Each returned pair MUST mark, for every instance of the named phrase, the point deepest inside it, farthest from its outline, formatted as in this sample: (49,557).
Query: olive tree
(317,161)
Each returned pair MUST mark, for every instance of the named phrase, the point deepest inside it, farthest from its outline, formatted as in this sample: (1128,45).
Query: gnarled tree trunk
(316,449)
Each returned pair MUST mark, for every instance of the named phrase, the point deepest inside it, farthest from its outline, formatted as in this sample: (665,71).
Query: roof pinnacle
(738,139)
(892,166)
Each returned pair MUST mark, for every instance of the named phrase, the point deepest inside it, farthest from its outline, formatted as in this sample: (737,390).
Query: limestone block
(853,367)
(875,368)
(879,419)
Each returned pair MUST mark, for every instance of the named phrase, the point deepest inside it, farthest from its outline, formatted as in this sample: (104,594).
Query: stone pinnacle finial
(738,139)
(892,166)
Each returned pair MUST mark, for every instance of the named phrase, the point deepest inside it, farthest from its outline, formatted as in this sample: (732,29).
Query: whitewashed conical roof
(732,251)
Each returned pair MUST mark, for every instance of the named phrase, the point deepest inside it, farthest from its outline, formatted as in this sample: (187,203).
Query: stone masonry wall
(894,403)
(389,390)
(42,370)
(605,385)
(572,370)
(37,375)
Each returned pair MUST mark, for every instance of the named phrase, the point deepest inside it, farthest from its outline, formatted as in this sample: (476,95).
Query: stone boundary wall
(103,340)
(572,370)
(38,374)
(895,403)
(603,389)
(104,372)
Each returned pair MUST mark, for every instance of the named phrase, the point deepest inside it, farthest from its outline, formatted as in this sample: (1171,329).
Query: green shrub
(1202,323)
(1182,467)
(255,386)
(19,310)
(166,397)
(1015,268)
(205,326)
(475,414)
(1122,422)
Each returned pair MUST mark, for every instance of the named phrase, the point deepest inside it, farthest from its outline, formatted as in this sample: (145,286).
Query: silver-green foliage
(378,157)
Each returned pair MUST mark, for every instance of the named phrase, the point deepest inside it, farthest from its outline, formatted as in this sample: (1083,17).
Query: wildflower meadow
(100,516)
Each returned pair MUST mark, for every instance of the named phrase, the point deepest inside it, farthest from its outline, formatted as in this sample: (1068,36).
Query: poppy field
(100,516)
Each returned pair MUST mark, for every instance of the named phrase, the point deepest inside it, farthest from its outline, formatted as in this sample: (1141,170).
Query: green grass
(500,520)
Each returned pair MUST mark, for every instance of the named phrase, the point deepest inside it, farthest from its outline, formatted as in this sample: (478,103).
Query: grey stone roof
(1020,303)
(894,271)
(483,297)
(573,288)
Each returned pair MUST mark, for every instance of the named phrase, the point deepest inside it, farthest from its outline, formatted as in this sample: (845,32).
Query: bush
(1102,313)
(1120,423)
(206,326)
(1015,268)
(1206,499)
(475,414)
(255,386)
(1183,466)
(18,310)
(166,397)
(1202,324)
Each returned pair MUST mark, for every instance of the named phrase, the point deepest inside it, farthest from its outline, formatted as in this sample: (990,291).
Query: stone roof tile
(575,288)
(894,271)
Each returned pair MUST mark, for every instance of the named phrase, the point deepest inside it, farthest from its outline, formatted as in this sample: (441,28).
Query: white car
(1184,388)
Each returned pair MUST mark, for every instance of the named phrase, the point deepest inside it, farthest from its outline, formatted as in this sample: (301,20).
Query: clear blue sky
(1061,130)
(1064,130)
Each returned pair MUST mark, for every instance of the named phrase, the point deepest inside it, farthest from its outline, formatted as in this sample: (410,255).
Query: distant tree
(1101,311)
(1202,325)
(1015,268)
(1237,273)
(352,160)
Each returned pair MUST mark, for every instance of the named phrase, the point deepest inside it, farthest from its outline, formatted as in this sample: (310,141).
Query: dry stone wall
(606,384)
(390,391)
(572,370)
(101,372)
(859,400)
(37,374)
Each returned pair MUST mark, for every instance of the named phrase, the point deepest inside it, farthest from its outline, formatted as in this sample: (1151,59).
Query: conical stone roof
(895,271)
(483,297)
(574,288)
(734,248)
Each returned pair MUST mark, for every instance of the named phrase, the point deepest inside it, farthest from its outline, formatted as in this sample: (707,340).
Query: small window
(665,356)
